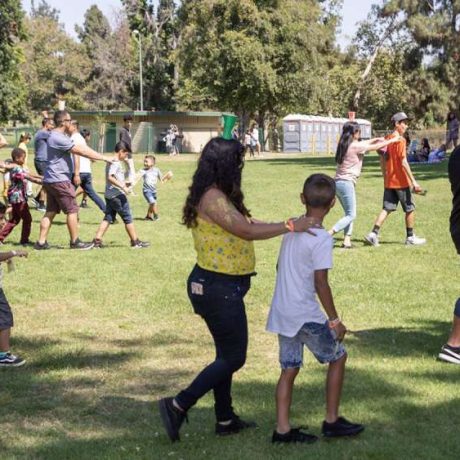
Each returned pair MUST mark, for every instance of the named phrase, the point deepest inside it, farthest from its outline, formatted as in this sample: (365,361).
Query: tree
(158,35)
(110,56)
(12,85)
(55,65)
(431,46)
(44,10)
(255,57)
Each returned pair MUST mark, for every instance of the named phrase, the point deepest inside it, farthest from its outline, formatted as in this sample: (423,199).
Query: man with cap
(398,183)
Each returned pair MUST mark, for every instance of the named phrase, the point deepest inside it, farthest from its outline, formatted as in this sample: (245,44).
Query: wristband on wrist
(289,224)
(333,323)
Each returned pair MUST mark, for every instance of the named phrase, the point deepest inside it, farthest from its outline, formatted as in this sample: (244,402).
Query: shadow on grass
(402,341)
(78,417)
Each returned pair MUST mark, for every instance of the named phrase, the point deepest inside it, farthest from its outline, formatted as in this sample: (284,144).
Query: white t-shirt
(294,301)
(85,163)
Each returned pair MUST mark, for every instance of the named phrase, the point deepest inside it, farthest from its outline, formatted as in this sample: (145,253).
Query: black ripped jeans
(218,299)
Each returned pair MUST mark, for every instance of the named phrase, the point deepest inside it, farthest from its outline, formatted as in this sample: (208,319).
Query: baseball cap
(400,116)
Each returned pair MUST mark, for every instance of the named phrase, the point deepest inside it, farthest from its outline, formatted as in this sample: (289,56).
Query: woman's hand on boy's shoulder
(306,224)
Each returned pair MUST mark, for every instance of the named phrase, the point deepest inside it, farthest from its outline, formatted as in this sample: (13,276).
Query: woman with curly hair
(223,234)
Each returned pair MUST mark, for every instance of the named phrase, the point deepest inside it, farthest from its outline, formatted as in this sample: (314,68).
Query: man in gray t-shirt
(57,181)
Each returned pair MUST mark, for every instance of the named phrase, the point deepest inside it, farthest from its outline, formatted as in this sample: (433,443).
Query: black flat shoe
(235,426)
(341,427)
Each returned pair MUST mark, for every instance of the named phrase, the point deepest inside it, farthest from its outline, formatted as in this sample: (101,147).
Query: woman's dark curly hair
(220,165)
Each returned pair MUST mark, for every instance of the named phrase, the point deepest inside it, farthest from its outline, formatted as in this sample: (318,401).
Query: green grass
(108,332)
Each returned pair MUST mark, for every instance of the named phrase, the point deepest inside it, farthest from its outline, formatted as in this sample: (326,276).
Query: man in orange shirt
(398,182)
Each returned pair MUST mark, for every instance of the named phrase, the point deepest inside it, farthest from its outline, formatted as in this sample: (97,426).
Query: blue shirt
(60,165)
(40,141)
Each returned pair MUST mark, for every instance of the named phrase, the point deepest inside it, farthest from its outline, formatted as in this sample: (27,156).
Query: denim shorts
(118,205)
(318,338)
(150,196)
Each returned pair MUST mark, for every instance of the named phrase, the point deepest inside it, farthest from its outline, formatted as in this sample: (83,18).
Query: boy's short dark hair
(17,153)
(127,117)
(151,157)
(121,146)
(85,133)
(319,191)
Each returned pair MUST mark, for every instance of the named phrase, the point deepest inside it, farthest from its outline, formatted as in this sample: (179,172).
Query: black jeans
(87,186)
(218,299)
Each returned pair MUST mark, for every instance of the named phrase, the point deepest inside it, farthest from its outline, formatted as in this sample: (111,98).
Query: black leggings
(218,299)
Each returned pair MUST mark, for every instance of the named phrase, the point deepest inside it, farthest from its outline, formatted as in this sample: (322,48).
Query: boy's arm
(76,172)
(325,296)
(406,167)
(113,180)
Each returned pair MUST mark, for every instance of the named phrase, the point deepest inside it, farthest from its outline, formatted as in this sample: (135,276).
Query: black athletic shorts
(393,196)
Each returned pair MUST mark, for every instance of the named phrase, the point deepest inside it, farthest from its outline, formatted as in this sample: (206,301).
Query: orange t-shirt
(395,174)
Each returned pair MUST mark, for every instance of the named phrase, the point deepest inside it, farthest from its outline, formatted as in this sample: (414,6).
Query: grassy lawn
(108,332)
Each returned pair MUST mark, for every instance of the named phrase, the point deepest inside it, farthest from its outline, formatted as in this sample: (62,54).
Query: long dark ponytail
(350,128)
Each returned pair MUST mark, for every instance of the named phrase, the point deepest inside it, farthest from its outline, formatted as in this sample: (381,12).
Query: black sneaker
(294,435)
(138,244)
(11,361)
(235,426)
(171,417)
(84,204)
(40,247)
(77,244)
(450,354)
(97,243)
(149,218)
(28,243)
(341,427)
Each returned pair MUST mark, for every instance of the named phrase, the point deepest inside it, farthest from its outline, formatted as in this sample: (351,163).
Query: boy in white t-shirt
(296,316)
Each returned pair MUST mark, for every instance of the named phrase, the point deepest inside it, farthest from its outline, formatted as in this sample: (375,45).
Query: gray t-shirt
(60,165)
(40,144)
(151,177)
(115,169)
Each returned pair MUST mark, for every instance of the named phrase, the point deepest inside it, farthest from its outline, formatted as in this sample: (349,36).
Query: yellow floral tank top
(220,251)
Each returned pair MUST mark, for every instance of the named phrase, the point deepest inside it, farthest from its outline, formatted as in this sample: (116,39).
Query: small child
(295,315)
(248,144)
(6,317)
(116,200)
(17,198)
(151,175)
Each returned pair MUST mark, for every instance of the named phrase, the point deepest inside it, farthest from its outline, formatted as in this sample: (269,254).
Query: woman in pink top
(349,159)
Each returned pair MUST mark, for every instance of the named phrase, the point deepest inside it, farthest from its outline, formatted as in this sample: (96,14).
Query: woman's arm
(375,144)
(216,207)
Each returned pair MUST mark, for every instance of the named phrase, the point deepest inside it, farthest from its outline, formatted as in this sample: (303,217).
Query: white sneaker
(415,240)
(372,238)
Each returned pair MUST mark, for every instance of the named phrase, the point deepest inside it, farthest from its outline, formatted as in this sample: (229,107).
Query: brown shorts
(60,196)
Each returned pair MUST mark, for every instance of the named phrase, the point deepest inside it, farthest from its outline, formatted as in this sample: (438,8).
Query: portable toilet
(366,128)
(291,134)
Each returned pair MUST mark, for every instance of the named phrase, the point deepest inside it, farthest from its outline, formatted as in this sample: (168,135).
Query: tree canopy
(259,58)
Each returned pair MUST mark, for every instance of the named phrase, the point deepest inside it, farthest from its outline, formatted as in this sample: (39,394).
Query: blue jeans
(218,299)
(87,186)
(345,190)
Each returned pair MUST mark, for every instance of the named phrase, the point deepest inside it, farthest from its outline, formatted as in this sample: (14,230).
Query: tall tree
(158,35)
(12,86)
(261,57)
(433,29)
(55,64)
(110,55)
